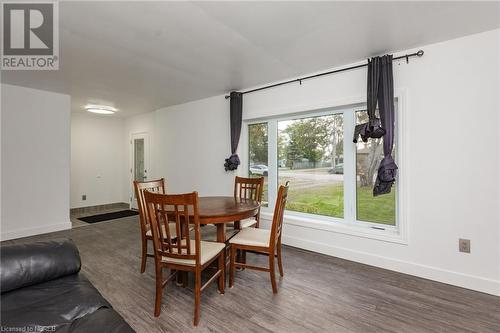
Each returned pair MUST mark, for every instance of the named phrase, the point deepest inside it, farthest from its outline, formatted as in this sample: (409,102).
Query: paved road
(310,178)
(317,176)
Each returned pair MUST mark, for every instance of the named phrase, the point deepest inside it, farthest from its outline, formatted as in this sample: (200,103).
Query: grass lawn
(381,209)
(324,200)
(329,200)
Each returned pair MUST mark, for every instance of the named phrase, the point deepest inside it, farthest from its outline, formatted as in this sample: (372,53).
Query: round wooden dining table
(222,210)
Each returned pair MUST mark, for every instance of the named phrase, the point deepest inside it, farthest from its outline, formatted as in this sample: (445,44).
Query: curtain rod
(406,56)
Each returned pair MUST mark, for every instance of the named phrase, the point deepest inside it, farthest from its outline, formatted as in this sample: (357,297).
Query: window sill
(392,235)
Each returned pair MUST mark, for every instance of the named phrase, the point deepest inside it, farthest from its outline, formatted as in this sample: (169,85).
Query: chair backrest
(249,188)
(157,186)
(181,209)
(279,210)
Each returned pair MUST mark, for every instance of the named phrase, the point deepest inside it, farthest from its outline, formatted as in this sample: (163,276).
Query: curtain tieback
(232,162)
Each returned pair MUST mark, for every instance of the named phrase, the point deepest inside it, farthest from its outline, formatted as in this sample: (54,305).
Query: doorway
(139,160)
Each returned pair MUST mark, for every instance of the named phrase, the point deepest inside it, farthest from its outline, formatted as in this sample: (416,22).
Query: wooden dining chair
(249,188)
(157,186)
(184,254)
(262,241)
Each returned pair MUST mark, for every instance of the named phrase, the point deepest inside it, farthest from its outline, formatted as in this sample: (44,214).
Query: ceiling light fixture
(100,109)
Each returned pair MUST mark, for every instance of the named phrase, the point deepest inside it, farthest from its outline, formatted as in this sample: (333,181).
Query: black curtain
(387,170)
(236,109)
(380,90)
(373,128)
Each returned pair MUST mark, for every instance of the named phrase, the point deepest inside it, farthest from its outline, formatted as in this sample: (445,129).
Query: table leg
(221,238)
(240,255)
(181,279)
(236,225)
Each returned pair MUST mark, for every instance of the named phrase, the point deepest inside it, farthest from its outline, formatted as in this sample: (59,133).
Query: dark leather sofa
(42,291)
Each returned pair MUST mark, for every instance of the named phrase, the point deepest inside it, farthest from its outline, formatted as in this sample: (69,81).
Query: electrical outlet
(84,197)
(464,245)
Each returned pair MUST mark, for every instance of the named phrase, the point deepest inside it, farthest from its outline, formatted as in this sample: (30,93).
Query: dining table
(220,210)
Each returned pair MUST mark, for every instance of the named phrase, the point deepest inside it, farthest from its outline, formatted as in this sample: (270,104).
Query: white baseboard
(26,232)
(477,283)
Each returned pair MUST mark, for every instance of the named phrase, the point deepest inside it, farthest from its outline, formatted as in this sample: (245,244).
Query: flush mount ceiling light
(100,109)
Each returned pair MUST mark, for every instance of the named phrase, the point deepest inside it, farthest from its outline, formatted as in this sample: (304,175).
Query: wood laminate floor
(318,293)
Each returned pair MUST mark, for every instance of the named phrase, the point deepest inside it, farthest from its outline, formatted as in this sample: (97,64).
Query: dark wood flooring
(318,293)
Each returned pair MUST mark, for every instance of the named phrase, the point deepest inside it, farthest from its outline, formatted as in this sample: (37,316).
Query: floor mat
(108,216)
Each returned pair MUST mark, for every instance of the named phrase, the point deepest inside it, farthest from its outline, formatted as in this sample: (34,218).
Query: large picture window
(310,157)
(331,178)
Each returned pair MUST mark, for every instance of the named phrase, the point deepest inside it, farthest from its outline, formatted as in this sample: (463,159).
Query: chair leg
(222,276)
(159,289)
(231,266)
(272,273)
(197,296)
(280,261)
(144,254)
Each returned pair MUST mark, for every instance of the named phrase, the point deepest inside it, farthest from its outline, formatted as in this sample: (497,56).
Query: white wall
(189,143)
(35,162)
(97,160)
(196,138)
(452,141)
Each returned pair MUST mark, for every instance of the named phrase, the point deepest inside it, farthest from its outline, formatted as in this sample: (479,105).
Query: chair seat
(247,223)
(252,237)
(208,250)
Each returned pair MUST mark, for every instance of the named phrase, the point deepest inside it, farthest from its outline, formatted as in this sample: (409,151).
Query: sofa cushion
(54,303)
(23,265)
(103,320)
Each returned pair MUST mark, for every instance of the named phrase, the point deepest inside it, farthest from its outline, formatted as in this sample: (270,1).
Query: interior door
(139,162)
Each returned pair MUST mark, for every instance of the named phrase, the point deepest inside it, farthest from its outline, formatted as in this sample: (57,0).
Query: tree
(282,144)
(308,139)
(312,139)
(337,133)
(368,166)
(257,134)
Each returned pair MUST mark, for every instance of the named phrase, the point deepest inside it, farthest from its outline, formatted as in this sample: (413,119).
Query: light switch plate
(464,245)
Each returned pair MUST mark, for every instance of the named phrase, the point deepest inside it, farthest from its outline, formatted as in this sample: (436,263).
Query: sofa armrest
(23,265)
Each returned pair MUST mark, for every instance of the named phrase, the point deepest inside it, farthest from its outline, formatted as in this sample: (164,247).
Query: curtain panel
(236,112)
(380,91)
(387,171)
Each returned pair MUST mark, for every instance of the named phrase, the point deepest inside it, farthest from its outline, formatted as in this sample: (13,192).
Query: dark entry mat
(108,216)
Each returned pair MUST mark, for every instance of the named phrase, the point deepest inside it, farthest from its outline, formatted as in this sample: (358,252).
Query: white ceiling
(140,56)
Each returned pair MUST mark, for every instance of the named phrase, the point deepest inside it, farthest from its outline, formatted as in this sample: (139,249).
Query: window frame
(349,224)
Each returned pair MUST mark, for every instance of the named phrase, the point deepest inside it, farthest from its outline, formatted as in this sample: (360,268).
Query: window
(331,178)
(258,155)
(381,209)
(310,157)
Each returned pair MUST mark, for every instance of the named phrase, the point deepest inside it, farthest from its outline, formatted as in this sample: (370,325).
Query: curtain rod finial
(420,53)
